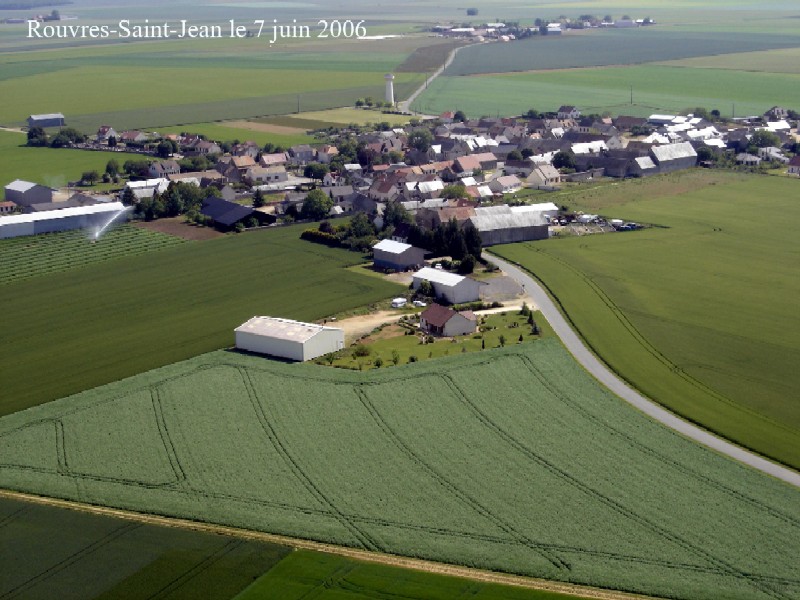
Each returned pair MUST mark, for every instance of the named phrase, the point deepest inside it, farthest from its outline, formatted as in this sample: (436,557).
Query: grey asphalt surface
(603,374)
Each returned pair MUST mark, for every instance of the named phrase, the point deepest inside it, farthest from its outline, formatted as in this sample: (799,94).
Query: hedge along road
(603,374)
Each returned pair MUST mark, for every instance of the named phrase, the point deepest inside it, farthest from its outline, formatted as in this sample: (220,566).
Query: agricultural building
(48,120)
(148,187)
(443,321)
(389,254)
(548,210)
(25,193)
(285,338)
(225,213)
(501,225)
(82,217)
(455,289)
(674,157)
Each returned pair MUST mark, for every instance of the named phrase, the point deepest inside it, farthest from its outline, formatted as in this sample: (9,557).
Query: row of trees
(67,136)
(179,198)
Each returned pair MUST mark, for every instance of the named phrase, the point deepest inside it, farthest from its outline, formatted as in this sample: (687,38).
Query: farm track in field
(362,555)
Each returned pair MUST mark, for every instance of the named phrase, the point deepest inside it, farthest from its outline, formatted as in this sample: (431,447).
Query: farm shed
(389,254)
(65,219)
(673,157)
(440,320)
(225,214)
(498,227)
(453,288)
(48,120)
(26,193)
(286,338)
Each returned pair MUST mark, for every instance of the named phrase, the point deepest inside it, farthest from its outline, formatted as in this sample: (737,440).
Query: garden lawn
(699,313)
(405,460)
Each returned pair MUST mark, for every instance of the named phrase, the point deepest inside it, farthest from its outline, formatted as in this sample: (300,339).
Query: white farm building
(90,217)
(389,254)
(285,338)
(455,289)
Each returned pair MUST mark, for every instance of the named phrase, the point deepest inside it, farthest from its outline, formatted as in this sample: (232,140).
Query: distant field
(608,47)
(699,315)
(305,572)
(121,317)
(345,116)
(48,166)
(768,61)
(174,82)
(224,131)
(655,88)
(510,459)
(52,552)
(38,255)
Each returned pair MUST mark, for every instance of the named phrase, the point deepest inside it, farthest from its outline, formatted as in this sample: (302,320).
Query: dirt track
(375,557)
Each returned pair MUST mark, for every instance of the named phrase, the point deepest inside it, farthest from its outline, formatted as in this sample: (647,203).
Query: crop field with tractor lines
(590,491)
(715,340)
(34,256)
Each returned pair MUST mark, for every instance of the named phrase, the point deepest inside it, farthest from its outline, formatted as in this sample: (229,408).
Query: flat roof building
(285,338)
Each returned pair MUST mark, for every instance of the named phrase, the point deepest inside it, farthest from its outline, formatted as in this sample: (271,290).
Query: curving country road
(603,374)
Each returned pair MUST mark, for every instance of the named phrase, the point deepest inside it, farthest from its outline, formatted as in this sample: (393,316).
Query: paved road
(591,363)
(405,105)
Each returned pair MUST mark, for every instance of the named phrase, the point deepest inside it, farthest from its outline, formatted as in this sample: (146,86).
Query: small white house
(453,288)
(286,338)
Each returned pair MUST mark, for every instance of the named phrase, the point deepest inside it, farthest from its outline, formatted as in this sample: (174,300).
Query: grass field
(656,88)
(406,460)
(175,82)
(767,61)
(345,116)
(48,166)
(50,552)
(305,574)
(117,318)
(712,338)
(608,47)
(39,255)
(225,132)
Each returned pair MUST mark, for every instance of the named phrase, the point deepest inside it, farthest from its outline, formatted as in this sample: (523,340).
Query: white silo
(389,88)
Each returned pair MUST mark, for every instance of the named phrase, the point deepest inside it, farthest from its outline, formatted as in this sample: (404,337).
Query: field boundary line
(382,558)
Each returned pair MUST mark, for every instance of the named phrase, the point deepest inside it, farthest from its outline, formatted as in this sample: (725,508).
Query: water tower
(389,88)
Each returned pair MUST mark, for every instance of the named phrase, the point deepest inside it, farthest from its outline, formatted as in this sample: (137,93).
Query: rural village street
(603,374)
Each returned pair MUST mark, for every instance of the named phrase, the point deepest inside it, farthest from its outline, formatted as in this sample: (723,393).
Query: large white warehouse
(285,338)
(79,217)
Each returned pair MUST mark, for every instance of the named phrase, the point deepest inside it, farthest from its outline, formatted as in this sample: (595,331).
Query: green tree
(454,192)
(502,340)
(425,290)
(564,160)
(112,167)
(315,170)
(395,357)
(37,137)
(361,226)
(258,199)
(112,141)
(395,213)
(514,155)
(420,139)
(473,241)
(765,139)
(467,265)
(90,177)
(316,206)
(472,12)
(128,198)
(164,149)
(459,116)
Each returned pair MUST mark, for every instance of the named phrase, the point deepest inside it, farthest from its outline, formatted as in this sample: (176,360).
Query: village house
(507,184)
(163,168)
(256,175)
(544,176)
(568,112)
(105,132)
(442,321)
(302,154)
(132,137)
(794,166)
(274,159)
